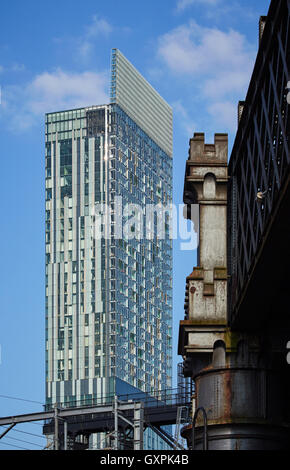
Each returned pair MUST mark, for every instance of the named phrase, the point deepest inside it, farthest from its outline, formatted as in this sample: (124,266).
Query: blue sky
(198,54)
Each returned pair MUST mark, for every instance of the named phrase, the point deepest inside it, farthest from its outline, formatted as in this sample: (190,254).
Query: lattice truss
(260,158)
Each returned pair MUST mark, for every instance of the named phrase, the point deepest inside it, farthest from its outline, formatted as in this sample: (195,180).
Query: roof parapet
(200,152)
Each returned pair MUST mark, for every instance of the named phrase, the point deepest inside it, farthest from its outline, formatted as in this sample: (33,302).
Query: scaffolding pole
(65,435)
(55,427)
(7,430)
(116,443)
(138,425)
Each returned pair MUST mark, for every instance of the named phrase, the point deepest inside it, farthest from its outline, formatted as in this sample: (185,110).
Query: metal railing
(171,397)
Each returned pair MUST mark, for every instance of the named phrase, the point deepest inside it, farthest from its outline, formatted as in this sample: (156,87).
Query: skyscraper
(108,298)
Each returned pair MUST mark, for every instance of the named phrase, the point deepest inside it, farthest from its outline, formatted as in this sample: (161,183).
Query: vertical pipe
(55,427)
(65,434)
(116,423)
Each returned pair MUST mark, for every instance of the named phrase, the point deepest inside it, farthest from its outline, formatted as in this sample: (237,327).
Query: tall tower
(108,298)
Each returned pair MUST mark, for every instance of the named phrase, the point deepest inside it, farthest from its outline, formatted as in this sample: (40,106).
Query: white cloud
(193,49)
(86,43)
(227,82)
(183,4)
(220,11)
(218,63)
(225,113)
(98,26)
(183,118)
(60,90)
(85,49)
(18,67)
(53,91)
(15,67)
(83,45)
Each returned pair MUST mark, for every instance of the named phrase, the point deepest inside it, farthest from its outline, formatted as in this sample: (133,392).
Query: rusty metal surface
(240,437)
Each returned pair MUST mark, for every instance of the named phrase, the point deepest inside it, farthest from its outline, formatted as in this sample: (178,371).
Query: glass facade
(108,299)
(140,101)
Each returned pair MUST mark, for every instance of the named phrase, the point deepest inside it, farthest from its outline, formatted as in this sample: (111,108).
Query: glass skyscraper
(109,298)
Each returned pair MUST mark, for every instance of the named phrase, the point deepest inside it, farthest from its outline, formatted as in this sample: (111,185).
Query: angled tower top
(140,101)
